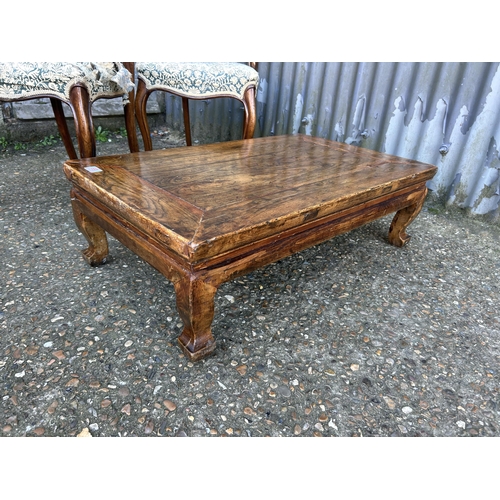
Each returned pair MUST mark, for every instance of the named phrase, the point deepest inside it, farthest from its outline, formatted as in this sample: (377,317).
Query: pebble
(390,403)
(284,391)
(333,425)
(73,382)
(169,405)
(52,407)
(123,391)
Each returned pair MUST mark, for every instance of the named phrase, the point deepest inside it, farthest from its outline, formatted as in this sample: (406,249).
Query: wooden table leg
(195,304)
(403,218)
(97,251)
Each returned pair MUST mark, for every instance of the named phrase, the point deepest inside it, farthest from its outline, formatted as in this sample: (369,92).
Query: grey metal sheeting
(444,113)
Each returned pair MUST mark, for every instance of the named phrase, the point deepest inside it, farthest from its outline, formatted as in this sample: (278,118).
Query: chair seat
(198,80)
(27,80)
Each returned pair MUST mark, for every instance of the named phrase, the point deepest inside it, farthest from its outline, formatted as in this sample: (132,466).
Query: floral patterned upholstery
(198,80)
(28,80)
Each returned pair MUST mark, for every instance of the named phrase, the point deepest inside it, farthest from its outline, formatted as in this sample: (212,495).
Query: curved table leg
(403,218)
(97,250)
(195,304)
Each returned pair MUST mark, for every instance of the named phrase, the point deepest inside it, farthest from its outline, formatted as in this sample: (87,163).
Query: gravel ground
(353,337)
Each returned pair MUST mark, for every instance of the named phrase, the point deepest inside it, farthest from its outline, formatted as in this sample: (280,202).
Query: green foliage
(19,146)
(3,143)
(434,211)
(101,135)
(49,140)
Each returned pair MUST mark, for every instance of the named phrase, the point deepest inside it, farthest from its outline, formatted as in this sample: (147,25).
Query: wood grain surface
(214,198)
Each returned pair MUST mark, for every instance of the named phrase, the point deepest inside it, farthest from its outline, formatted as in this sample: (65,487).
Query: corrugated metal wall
(447,114)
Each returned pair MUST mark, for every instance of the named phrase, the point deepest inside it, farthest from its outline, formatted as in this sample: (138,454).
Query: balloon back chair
(78,85)
(196,81)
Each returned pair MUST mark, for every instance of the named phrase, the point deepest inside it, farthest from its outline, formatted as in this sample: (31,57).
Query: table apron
(243,260)
(273,248)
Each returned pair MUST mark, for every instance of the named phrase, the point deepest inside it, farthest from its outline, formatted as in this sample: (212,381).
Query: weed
(49,140)
(19,146)
(122,132)
(3,143)
(101,135)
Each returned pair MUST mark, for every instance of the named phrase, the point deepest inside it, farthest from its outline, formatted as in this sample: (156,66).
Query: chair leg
(250,113)
(80,103)
(141,99)
(62,126)
(187,123)
(133,144)
(129,110)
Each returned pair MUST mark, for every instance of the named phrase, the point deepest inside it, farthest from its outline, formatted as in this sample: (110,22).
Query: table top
(207,200)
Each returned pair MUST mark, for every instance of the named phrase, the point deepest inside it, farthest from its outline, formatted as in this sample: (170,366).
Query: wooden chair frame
(80,104)
(143,93)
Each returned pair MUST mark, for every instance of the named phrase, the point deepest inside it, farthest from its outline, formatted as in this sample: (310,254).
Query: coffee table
(207,214)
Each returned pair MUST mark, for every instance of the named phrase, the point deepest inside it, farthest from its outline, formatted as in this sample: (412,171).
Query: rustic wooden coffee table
(204,215)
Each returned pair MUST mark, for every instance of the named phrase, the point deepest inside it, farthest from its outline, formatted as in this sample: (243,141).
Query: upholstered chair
(196,81)
(77,84)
